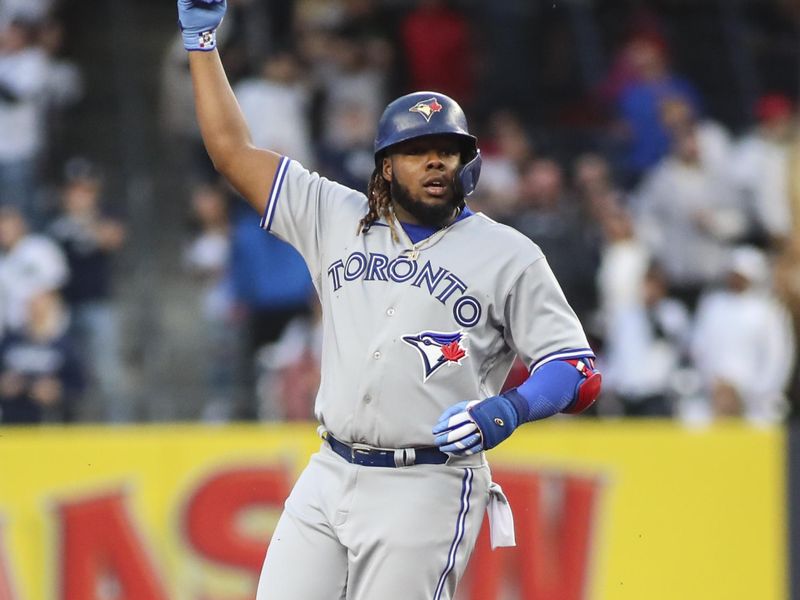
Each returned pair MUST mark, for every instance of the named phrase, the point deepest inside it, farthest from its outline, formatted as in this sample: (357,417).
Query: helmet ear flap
(468,175)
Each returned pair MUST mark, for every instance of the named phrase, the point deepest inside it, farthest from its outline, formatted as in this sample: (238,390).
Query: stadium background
(176,497)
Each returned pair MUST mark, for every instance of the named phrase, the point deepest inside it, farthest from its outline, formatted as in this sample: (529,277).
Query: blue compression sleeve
(548,391)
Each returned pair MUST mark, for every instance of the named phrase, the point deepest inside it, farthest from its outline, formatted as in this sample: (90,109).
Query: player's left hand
(471,427)
(456,433)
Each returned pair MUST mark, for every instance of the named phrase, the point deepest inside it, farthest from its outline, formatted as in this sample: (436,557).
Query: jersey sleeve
(299,205)
(541,325)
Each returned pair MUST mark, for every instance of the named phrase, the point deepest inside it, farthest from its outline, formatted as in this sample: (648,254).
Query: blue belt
(359,454)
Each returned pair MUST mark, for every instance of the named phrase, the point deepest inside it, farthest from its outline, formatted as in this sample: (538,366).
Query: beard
(433,215)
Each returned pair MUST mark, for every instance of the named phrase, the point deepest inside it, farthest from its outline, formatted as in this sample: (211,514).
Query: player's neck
(404,216)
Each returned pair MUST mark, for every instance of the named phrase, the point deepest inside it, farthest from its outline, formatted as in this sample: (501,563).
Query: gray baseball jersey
(409,333)
(408,330)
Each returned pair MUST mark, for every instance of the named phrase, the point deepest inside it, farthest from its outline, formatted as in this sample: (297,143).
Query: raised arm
(249,170)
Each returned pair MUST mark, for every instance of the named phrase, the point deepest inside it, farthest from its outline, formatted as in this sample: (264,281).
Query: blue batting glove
(470,427)
(199,20)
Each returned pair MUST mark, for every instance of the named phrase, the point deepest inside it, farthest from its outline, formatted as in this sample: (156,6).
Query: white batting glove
(456,432)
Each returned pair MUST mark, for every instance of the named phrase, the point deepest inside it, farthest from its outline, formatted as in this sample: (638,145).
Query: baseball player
(425,305)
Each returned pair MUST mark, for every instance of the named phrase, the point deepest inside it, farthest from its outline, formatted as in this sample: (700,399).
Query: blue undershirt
(417,233)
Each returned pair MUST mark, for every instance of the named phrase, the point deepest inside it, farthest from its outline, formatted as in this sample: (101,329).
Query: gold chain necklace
(428,242)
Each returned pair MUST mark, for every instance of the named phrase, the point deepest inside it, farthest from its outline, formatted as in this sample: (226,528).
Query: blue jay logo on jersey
(437,349)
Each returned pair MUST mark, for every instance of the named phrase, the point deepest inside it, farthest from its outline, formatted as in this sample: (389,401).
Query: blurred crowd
(58,326)
(675,237)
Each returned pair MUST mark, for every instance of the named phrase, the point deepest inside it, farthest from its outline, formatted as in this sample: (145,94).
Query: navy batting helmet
(430,113)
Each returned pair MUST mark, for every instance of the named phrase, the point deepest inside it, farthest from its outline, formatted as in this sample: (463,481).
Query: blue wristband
(497,418)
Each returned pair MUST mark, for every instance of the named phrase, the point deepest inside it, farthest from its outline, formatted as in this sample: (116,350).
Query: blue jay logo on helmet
(427,108)
(438,349)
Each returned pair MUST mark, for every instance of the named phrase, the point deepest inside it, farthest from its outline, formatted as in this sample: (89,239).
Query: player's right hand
(199,20)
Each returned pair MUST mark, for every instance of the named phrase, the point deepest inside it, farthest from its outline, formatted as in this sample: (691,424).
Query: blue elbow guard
(569,386)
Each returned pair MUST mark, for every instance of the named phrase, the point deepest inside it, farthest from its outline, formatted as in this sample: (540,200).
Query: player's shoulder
(346,199)
(510,241)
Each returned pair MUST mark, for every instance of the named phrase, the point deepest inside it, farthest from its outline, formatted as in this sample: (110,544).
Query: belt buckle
(361,449)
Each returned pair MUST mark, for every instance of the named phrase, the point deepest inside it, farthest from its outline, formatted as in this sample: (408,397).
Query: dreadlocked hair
(379,198)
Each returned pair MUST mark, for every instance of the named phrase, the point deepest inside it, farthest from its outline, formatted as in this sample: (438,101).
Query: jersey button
(376,355)
(390,312)
(367,399)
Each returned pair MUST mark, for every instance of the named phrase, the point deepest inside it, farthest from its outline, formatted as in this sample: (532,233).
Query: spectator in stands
(27,10)
(352,159)
(622,70)
(679,117)
(624,260)
(552,218)
(289,370)
(595,186)
(437,45)
(365,19)
(29,263)
(742,342)
(65,85)
(645,344)
(90,238)
(207,258)
(23,84)
(506,148)
(645,332)
(761,167)
(276,105)
(40,370)
(639,104)
(374,26)
(349,79)
(683,211)
(271,286)
(64,90)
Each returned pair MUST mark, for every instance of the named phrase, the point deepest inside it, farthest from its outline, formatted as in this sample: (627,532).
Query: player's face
(421,174)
